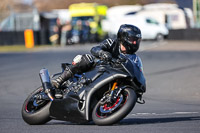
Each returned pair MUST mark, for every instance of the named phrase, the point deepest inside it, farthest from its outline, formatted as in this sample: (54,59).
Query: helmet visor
(133,40)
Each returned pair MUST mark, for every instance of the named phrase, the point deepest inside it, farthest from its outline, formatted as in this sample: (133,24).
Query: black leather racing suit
(110,45)
(86,63)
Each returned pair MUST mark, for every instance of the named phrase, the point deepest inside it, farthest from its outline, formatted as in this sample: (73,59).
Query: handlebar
(115,61)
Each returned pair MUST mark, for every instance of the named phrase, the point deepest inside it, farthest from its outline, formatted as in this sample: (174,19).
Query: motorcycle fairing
(134,65)
(76,107)
(67,109)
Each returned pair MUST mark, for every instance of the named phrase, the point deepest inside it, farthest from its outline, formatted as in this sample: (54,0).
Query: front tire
(33,113)
(116,112)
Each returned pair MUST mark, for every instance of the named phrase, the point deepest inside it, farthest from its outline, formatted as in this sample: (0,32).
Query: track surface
(172,97)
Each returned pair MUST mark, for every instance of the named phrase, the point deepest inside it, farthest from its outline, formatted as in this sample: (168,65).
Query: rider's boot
(59,81)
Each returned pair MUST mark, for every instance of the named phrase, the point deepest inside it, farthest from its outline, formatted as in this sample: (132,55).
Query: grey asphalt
(172,97)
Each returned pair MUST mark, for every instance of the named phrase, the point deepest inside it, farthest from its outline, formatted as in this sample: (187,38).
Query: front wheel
(36,111)
(111,113)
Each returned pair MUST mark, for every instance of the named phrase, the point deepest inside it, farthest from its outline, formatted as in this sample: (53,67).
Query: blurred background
(171,67)
(66,22)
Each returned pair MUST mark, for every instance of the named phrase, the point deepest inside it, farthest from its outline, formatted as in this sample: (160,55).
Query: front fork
(112,95)
(113,88)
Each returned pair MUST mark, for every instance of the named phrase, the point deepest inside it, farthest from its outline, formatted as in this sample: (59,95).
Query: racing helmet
(129,36)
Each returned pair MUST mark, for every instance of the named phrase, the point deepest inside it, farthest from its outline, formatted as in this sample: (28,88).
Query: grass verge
(21,48)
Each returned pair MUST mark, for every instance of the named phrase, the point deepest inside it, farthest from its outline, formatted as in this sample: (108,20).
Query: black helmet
(130,37)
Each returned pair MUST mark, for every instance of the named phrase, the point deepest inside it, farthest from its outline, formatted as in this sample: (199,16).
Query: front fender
(99,83)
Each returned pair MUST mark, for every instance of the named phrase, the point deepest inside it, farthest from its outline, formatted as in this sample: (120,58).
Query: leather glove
(104,55)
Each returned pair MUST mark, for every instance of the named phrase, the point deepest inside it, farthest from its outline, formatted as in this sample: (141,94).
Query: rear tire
(118,113)
(35,117)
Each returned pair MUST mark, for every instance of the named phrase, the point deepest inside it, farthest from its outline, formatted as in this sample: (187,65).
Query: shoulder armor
(107,43)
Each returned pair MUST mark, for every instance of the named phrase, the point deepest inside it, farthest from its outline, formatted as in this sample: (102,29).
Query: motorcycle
(105,95)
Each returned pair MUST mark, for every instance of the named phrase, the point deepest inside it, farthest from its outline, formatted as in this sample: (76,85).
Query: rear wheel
(36,111)
(112,112)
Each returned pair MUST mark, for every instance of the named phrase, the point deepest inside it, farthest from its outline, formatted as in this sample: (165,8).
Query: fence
(20,21)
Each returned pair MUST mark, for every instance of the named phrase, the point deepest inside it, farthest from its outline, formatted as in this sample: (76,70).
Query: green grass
(20,48)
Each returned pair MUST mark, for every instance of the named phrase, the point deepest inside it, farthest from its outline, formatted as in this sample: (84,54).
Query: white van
(150,28)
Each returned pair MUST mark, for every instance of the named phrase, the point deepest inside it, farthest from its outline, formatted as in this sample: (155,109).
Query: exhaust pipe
(46,83)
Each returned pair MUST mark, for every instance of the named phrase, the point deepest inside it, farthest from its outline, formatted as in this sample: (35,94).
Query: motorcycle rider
(127,42)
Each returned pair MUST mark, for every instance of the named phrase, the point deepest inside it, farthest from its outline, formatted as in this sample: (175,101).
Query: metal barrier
(42,37)
(17,37)
(11,38)
(184,34)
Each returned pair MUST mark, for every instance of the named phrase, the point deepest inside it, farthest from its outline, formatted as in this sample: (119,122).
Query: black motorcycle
(106,94)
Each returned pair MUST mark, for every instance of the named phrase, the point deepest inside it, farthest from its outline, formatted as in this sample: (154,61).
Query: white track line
(158,114)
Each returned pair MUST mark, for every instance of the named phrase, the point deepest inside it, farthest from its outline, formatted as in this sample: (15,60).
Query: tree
(4,6)
(46,5)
